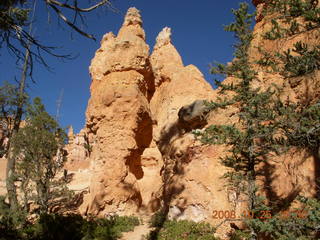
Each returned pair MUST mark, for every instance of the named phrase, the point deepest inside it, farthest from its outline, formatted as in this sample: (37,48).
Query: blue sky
(197,33)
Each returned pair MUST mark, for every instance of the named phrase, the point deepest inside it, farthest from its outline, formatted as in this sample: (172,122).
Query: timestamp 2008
(263,214)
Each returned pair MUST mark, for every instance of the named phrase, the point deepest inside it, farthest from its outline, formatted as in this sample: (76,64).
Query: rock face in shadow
(194,115)
(191,190)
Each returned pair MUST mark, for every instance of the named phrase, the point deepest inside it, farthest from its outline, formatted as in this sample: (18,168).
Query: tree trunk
(24,189)
(10,171)
(11,187)
(42,197)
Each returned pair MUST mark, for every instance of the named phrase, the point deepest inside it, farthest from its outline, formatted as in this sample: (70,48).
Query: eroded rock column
(119,124)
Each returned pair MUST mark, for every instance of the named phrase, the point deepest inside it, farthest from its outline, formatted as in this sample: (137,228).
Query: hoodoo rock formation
(119,123)
(141,158)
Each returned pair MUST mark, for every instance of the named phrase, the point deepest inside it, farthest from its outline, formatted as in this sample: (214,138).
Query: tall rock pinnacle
(132,25)
(132,17)
(164,50)
(163,38)
(126,51)
(119,125)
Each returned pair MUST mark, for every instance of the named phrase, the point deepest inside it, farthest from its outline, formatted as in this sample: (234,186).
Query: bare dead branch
(70,24)
(75,7)
(19,37)
(17,40)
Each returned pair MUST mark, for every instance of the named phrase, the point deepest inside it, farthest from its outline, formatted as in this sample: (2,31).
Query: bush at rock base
(183,230)
(70,227)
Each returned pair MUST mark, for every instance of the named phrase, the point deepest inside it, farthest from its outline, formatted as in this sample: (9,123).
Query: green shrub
(290,10)
(56,227)
(186,230)
(70,227)
(286,227)
(112,229)
(10,222)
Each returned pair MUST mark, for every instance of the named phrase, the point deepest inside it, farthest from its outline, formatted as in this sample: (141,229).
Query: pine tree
(11,100)
(262,117)
(38,146)
(252,141)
